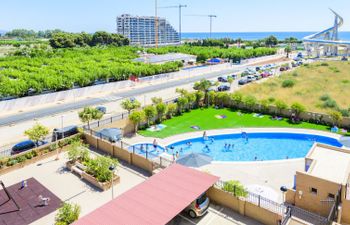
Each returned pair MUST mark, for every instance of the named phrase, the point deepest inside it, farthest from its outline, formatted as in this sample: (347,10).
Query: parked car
(300,55)
(243,81)
(257,76)
(198,207)
(344,58)
(282,69)
(224,87)
(222,79)
(102,109)
(58,134)
(265,74)
(244,73)
(257,68)
(25,146)
(251,78)
(234,76)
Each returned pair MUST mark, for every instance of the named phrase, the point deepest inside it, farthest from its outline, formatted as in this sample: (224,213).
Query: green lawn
(206,120)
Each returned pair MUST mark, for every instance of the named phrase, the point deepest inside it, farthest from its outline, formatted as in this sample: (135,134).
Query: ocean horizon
(345,35)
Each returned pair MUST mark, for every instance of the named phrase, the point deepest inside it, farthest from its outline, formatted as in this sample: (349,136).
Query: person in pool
(205,136)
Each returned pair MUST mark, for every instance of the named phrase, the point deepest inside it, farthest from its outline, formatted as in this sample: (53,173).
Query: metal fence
(258,200)
(306,215)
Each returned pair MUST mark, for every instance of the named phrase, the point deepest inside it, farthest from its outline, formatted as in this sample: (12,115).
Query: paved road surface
(24,116)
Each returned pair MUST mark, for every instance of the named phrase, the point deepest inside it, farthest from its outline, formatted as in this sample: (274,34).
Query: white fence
(71,95)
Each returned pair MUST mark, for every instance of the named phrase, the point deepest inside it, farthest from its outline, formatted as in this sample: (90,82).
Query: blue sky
(233,15)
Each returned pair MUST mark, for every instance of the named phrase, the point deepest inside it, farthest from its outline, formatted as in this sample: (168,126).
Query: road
(24,116)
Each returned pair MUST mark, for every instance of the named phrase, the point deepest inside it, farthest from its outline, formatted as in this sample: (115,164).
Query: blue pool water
(257,147)
(146,149)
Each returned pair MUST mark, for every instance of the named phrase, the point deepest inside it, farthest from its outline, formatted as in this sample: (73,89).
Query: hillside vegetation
(320,87)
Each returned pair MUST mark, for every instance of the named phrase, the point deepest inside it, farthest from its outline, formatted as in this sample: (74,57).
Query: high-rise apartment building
(141,30)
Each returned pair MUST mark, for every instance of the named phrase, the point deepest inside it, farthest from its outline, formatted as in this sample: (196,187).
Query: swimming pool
(146,150)
(252,146)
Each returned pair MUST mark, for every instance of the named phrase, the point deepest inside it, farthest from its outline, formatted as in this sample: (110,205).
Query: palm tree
(288,50)
(204,86)
(89,114)
(136,118)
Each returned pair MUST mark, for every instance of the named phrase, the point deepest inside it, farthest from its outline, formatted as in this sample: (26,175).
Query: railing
(306,215)
(258,200)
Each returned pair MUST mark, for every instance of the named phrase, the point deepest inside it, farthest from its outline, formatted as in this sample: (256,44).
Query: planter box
(92,180)
(8,169)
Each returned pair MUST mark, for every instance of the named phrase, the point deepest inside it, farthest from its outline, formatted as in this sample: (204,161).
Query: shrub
(29,155)
(344,112)
(334,69)
(249,101)
(99,168)
(324,64)
(325,97)
(295,74)
(330,103)
(336,117)
(298,108)
(67,214)
(11,162)
(21,158)
(288,83)
(235,187)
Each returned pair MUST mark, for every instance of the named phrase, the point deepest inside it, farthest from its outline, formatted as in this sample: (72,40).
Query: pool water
(146,150)
(252,146)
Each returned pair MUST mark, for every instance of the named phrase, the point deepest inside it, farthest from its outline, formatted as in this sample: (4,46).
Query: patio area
(68,187)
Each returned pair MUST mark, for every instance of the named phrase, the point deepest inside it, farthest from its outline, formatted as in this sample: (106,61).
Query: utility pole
(180,15)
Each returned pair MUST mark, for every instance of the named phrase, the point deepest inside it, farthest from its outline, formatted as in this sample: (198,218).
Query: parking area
(215,215)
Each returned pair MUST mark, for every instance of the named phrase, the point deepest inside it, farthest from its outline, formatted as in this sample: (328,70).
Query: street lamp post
(57,153)
(112,168)
(62,126)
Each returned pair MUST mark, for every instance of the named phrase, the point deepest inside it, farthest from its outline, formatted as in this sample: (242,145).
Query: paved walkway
(69,187)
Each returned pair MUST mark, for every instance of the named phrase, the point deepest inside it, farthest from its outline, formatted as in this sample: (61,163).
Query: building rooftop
(329,163)
(165,58)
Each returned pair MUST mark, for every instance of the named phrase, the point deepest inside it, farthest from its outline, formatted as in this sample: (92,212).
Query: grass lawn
(206,120)
(311,82)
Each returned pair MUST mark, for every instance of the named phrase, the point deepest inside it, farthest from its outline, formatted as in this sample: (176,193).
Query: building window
(313,191)
(331,196)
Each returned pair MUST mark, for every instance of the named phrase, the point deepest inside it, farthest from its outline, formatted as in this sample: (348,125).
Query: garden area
(321,87)
(211,118)
(200,110)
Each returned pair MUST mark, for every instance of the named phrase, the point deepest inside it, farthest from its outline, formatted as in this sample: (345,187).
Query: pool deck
(273,174)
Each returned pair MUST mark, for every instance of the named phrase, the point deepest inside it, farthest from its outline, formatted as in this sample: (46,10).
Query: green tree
(249,102)
(271,41)
(191,98)
(199,97)
(280,105)
(337,118)
(288,50)
(235,187)
(67,214)
(265,105)
(136,117)
(203,86)
(89,114)
(237,98)
(172,108)
(129,105)
(37,133)
(156,100)
(230,81)
(297,108)
(161,108)
(150,113)
(181,103)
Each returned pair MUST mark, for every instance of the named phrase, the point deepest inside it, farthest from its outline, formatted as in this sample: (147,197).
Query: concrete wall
(289,196)
(243,207)
(310,201)
(141,162)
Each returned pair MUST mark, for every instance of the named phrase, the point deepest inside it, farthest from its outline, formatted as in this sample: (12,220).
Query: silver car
(198,207)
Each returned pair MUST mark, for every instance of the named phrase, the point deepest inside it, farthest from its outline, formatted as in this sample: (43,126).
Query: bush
(295,74)
(21,158)
(67,214)
(28,155)
(235,187)
(325,97)
(344,112)
(99,168)
(11,162)
(330,103)
(324,64)
(288,83)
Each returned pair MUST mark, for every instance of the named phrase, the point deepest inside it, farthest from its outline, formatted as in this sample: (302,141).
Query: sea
(255,35)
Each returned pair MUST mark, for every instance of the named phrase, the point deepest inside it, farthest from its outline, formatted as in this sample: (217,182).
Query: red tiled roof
(155,201)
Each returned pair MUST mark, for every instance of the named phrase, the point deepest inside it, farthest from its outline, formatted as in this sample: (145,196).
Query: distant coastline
(255,35)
